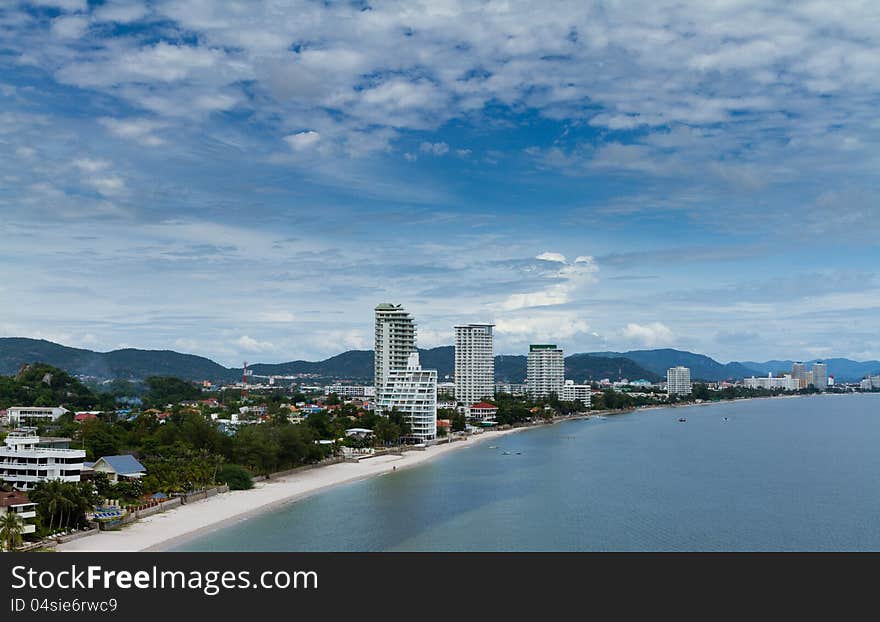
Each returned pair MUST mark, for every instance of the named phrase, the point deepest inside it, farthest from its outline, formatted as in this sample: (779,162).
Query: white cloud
(437,149)
(280,316)
(120,12)
(69,27)
(303,140)
(565,280)
(650,335)
(251,345)
(557,257)
(139,130)
(107,186)
(89,165)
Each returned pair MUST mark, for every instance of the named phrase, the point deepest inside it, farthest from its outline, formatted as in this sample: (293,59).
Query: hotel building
(576,392)
(474,363)
(819,375)
(786,382)
(395,341)
(413,392)
(23,462)
(545,370)
(22,415)
(678,381)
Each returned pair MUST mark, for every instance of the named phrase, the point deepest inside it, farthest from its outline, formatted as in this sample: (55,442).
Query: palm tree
(11,527)
(50,499)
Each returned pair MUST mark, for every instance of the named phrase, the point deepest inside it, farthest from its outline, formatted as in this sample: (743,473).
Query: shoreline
(176,526)
(173,527)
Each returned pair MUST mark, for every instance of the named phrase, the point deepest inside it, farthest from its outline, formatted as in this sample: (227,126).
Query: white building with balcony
(474,363)
(786,382)
(545,370)
(576,392)
(678,381)
(23,462)
(395,341)
(18,503)
(22,415)
(413,392)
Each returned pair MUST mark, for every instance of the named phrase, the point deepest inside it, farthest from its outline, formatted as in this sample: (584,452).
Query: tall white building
(395,340)
(799,372)
(678,381)
(474,363)
(545,370)
(819,376)
(23,462)
(413,392)
(576,392)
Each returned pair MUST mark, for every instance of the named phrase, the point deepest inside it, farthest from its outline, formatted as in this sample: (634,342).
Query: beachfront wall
(334,460)
(201,495)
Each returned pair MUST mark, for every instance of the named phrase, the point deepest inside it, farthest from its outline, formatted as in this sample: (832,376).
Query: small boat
(505,453)
(493,446)
(682,420)
(519,453)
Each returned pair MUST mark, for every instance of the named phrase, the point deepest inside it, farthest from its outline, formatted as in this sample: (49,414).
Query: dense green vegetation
(62,505)
(236,477)
(44,385)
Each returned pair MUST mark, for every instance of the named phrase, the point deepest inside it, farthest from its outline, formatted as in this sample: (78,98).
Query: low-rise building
(482,412)
(18,503)
(124,466)
(576,392)
(786,382)
(23,462)
(23,415)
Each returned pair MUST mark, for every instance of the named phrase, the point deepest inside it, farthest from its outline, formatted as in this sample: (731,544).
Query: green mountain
(128,363)
(702,367)
(44,385)
(352,365)
(578,367)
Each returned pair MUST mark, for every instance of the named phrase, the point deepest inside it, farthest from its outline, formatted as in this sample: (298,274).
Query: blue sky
(246,180)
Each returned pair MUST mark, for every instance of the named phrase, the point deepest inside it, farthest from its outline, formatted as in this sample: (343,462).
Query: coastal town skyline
(243,185)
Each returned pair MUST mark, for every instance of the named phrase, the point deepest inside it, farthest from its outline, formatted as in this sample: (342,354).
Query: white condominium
(786,382)
(23,463)
(576,392)
(820,376)
(395,340)
(545,370)
(20,415)
(474,363)
(413,392)
(799,373)
(678,381)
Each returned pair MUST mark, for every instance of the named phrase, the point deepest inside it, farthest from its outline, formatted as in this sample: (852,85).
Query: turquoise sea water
(781,474)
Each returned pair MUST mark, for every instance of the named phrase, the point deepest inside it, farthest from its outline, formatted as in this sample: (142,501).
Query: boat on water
(493,446)
(505,453)
(682,419)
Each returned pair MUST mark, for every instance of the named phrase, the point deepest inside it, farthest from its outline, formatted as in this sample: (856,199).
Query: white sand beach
(165,530)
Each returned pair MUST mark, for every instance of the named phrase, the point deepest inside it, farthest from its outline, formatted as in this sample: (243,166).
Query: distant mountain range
(358,364)
(702,367)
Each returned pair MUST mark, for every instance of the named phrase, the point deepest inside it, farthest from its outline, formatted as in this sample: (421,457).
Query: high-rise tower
(474,363)
(395,340)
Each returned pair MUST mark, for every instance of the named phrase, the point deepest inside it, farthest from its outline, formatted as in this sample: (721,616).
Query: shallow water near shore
(777,474)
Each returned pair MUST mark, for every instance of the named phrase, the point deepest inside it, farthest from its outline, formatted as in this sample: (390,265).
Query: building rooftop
(125,464)
(483,405)
(15,497)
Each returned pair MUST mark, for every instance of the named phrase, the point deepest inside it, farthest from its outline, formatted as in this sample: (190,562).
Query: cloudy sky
(247,179)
